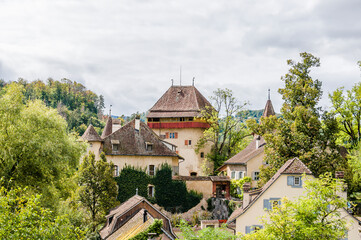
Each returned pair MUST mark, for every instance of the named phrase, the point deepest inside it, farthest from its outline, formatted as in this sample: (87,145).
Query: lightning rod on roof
(110,110)
(269,94)
(193,81)
(172,81)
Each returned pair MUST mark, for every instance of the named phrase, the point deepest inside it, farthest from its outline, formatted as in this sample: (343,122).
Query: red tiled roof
(179,101)
(91,135)
(292,166)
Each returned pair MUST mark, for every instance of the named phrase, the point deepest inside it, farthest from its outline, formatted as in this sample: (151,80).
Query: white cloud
(129,50)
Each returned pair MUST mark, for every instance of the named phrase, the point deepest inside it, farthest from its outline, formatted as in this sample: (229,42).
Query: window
(151,170)
(115,147)
(149,146)
(190,119)
(268,204)
(171,135)
(116,171)
(181,119)
(150,191)
(188,142)
(255,176)
(240,175)
(294,181)
(233,174)
(90,145)
(202,154)
(193,174)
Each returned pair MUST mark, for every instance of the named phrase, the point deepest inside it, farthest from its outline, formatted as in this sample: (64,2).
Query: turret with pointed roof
(268,110)
(91,135)
(108,129)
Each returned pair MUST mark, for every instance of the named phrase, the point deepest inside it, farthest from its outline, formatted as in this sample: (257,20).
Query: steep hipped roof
(248,153)
(268,110)
(133,142)
(292,166)
(91,135)
(179,101)
(108,129)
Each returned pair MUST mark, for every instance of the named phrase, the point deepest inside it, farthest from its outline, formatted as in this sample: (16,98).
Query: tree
(226,130)
(98,189)
(23,217)
(300,132)
(347,108)
(316,215)
(35,149)
(207,233)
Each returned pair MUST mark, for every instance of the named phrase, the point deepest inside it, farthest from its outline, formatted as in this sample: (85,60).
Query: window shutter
(290,180)
(176,135)
(266,204)
(233,175)
(300,181)
(167,135)
(248,229)
(186,142)
(252,175)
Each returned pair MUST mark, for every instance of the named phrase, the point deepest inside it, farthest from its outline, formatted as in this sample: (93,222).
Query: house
(209,186)
(133,144)
(133,217)
(176,118)
(248,161)
(287,182)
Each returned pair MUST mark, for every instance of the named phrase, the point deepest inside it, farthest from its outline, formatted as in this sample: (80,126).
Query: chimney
(258,138)
(145,218)
(246,196)
(137,123)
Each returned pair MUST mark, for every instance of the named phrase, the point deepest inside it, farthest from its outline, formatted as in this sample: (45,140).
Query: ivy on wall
(170,194)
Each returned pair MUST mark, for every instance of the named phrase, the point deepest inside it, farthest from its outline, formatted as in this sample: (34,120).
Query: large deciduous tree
(304,131)
(316,215)
(35,149)
(98,188)
(226,129)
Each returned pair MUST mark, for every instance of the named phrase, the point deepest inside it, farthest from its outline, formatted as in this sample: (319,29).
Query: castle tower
(175,117)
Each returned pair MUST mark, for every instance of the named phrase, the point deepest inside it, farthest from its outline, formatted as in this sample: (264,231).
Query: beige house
(287,182)
(133,217)
(248,161)
(133,144)
(175,117)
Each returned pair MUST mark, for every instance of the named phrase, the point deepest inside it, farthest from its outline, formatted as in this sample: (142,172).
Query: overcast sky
(129,50)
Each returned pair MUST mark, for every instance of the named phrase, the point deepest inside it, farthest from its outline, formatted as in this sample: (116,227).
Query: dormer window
(115,145)
(149,146)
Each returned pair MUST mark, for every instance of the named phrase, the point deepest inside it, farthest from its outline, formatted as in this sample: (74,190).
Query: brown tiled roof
(108,127)
(179,101)
(268,110)
(133,203)
(203,178)
(133,142)
(292,166)
(91,135)
(248,153)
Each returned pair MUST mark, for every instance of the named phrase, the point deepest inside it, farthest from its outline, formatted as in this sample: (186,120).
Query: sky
(129,50)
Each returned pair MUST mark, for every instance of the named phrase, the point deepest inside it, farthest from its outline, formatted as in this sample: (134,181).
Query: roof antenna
(110,110)
(180,76)
(269,94)
(172,82)
(193,81)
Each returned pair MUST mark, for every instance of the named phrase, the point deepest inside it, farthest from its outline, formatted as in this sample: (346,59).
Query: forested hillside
(78,105)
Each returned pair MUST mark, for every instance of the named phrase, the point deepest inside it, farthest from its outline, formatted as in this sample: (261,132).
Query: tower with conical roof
(175,117)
